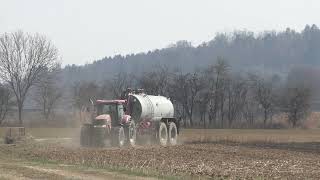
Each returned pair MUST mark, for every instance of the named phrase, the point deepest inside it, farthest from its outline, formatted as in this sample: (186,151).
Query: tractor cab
(108,112)
(108,121)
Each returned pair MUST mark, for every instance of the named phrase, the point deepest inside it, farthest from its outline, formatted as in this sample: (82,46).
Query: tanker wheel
(173,133)
(85,135)
(118,137)
(132,134)
(163,134)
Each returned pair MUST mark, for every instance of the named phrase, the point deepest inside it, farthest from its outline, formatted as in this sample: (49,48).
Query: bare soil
(16,162)
(222,154)
(230,161)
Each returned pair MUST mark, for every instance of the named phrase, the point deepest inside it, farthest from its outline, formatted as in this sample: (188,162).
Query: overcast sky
(84,31)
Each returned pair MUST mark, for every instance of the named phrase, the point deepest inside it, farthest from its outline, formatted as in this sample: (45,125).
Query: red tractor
(122,122)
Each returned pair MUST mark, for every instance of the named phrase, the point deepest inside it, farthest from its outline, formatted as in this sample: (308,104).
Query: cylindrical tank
(142,106)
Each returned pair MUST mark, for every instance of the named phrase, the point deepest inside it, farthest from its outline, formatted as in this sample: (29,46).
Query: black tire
(118,138)
(8,140)
(173,133)
(85,135)
(132,134)
(163,134)
(99,136)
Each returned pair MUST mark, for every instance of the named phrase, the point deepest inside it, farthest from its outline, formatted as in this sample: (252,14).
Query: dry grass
(250,135)
(190,135)
(49,132)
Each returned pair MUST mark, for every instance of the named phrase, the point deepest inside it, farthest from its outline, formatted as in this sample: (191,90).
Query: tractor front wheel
(118,138)
(99,136)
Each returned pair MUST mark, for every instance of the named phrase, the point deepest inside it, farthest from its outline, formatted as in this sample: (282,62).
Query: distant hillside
(267,52)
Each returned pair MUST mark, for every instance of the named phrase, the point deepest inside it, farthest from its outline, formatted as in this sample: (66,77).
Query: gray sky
(88,30)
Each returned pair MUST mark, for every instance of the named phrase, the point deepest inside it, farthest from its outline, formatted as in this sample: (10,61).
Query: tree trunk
(190,119)
(229,111)
(265,118)
(222,112)
(204,120)
(295,119)
(210,118)
(20,106)
(184,119)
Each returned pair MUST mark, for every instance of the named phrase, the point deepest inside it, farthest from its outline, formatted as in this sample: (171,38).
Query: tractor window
(120,111)
(107,109)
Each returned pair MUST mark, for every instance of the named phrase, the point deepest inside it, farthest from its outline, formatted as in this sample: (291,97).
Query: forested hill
(270,52)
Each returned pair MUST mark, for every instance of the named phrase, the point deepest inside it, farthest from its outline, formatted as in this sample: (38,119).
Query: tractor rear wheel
(85,135)
(118,137)
(173,133)
(163,134)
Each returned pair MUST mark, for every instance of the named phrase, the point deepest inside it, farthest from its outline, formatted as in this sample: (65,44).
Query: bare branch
(24,59)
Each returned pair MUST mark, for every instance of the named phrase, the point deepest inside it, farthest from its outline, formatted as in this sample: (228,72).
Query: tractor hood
(125,119)
(103,117)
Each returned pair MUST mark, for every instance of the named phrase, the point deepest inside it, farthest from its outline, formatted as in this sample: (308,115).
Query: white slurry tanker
(135,118)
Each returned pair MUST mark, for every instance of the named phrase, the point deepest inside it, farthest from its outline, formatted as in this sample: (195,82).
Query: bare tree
(250,109)
(82,92)
(237,96)
(185,89)
(202,103)
(118,84)
(23,60)
(195,84)
(178,92)
(296,103)
(155,82)
(264,95)
(5,103)
(218,76)
(47,93)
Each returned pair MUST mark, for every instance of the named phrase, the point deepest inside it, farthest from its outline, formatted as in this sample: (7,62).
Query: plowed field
(222,158)
(204,159)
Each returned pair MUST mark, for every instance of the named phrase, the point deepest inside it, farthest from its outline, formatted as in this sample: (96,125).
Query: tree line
(212,97)
(267,51)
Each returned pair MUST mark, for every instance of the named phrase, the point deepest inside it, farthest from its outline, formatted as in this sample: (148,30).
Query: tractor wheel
(99,136)
(173,133)
(118,137)
(85,135)
(163,134)
(8,140)
(132,134)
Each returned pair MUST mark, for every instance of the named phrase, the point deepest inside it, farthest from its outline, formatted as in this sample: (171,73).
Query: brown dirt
(204,159)
(21,166)
(226,154)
